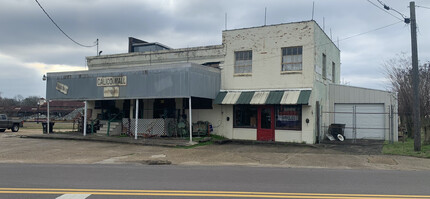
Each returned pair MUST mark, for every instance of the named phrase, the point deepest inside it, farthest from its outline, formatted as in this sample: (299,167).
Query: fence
(159,127)
(361,121)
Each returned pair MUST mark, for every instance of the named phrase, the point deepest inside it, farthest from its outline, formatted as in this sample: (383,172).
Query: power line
(385,10)
(88,46)
(310,45)
(370,31)
(422,7)
(390,8)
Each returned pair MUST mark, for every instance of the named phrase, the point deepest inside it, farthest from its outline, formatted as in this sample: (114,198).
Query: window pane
(243,62)
(289,117)
(245,116)
(292,61)
(266,118)
(294,51)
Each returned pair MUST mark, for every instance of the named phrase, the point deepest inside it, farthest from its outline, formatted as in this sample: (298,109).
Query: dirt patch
(382,160)
(359,147)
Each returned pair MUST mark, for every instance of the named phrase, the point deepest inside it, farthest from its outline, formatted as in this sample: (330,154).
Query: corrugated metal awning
(174,80)
(263,97)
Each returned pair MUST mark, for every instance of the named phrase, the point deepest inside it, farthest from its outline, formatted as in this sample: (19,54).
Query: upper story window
(243,62)
(333,72)
(324,65)
(292,58)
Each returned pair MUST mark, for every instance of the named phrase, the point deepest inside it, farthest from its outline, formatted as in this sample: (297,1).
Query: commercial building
(275,83)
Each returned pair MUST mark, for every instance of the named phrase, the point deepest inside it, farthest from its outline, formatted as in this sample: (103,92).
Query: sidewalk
(124,150)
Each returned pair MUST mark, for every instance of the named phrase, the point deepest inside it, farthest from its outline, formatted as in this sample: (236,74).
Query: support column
(85,118)
(137,119)
(191,120)
(47,117)
(131,109)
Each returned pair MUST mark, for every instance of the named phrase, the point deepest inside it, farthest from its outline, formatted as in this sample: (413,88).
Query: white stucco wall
(266,44)
(288,136)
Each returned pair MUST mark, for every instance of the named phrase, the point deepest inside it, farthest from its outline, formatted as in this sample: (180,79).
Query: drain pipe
(191,120)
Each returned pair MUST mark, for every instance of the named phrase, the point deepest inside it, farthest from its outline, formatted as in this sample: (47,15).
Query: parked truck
(13,125)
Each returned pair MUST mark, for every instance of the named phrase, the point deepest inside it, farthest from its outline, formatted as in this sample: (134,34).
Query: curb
(254,142)
(101,140)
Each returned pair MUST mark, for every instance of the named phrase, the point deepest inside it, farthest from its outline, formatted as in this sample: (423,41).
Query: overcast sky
(30,45)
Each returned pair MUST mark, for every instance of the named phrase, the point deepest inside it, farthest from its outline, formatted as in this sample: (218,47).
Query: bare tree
(399,72)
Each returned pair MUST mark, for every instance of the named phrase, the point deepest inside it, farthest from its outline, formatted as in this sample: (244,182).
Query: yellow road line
(199,193)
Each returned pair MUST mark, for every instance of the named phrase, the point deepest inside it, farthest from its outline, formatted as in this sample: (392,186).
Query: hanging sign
(62,88)
(110,92)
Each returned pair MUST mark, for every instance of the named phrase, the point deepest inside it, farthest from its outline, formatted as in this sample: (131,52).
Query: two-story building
(270,83)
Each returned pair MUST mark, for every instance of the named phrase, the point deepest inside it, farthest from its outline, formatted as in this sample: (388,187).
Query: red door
(266,123)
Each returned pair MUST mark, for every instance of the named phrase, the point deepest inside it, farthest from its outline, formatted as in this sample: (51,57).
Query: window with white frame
(243,62)
(292,58)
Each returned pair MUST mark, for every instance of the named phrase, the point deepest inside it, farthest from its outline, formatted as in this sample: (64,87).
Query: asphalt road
(144,181)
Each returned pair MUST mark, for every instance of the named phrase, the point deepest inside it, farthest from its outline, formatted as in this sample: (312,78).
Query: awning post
(191,120)
(47,118)
(137,119)
(85,118)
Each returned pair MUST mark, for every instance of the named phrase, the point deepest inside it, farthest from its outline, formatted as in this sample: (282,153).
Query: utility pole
(415,80)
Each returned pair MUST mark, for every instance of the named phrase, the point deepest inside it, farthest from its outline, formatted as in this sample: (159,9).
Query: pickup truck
(5,123)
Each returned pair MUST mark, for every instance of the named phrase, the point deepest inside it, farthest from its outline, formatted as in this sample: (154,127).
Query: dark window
(266,121)
(126,108)
(324,65)
(288,117)
(243,62)
(198,103)
(164,108)
(292,59)
(333,72)
(245,116)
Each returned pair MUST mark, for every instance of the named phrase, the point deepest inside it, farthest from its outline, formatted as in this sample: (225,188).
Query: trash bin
(51,125)
(336,129)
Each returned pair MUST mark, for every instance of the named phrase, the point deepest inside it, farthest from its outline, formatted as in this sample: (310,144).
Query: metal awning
(180,80)
(263,97)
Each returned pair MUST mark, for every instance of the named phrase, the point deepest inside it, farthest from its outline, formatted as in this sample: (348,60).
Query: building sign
(112,81)
(111,92)
(62,88)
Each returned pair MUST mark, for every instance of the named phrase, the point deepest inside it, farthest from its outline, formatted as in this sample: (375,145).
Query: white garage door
(369,120)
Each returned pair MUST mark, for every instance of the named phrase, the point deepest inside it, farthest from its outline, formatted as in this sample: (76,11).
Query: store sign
(112,81)
(62,88)
(111,92)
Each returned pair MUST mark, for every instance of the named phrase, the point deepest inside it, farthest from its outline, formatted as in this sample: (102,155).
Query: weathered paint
(163,81)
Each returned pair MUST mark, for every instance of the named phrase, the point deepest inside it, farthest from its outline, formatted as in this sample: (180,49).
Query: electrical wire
(370,31)
(385,10)
(311,46)
(88,46)
(390,8)
(422,7)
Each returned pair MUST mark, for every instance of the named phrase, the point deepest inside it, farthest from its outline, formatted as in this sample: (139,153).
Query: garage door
(368,120)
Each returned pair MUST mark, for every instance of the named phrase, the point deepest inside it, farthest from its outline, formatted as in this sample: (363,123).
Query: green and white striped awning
(263,97)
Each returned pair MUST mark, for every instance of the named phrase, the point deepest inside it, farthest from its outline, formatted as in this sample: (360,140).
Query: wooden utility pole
(415,80)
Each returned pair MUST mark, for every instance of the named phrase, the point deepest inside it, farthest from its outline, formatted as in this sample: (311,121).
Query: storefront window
(289,117)
(245,116)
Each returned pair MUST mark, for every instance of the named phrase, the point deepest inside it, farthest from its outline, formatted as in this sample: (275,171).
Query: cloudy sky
(30,45)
